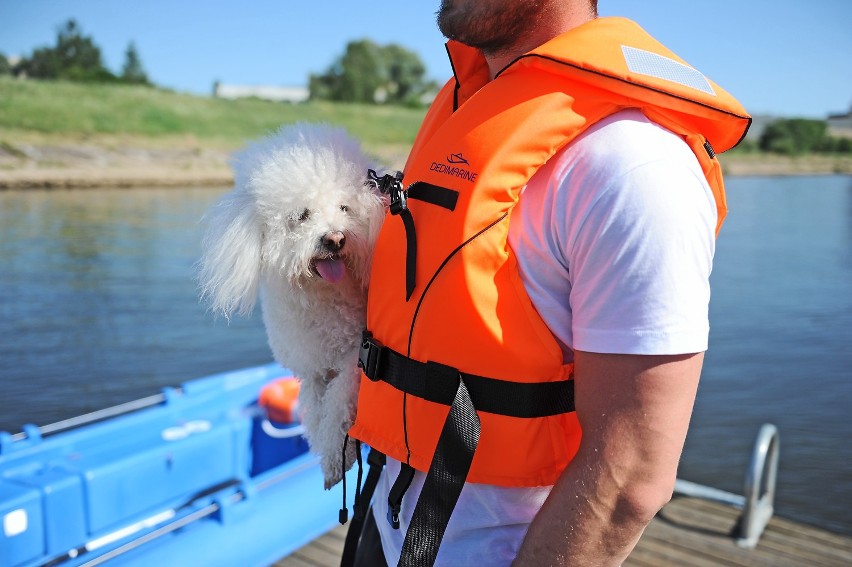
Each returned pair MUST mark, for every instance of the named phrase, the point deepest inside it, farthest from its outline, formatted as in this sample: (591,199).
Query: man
(547,164)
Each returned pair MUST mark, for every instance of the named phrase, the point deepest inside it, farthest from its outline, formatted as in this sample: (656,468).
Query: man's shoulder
(622,142)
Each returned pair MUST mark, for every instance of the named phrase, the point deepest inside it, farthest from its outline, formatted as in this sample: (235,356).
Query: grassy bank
(57,110)
(62,134)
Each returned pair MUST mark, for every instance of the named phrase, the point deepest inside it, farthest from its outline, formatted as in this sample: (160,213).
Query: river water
(98,306)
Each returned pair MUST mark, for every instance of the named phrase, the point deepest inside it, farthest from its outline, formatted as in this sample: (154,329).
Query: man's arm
(634,411)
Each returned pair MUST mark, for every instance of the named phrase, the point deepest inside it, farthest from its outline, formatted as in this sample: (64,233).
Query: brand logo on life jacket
(456,160)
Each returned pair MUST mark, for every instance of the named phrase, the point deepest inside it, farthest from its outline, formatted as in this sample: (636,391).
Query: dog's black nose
(333,241)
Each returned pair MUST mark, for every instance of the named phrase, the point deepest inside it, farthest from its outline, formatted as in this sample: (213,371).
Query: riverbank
(56,134)
(110,163)
(42,163)
(737,163)
(183,162)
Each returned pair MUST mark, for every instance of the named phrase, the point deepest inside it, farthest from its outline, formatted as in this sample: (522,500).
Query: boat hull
(193,480)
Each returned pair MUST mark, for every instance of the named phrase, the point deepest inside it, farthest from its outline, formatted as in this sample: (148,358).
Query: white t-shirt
(614,238)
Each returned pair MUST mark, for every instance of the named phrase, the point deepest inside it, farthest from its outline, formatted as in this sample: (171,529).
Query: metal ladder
(758,502)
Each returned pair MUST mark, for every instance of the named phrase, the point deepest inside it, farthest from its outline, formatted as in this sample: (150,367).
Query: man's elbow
(640,502)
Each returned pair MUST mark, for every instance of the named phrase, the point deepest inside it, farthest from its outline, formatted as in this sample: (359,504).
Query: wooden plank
(331,543)
(715,549)
(703,527)
(688,531)
(321,552)
(317,555)
(778,523)
(783,539)
(658,552)
(293,561)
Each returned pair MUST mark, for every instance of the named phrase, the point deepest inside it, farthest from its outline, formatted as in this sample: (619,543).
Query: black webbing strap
(439,383)
(391,185)
(444,482)
(440,196)
(410,252)
(376,460)
(435,194)
(397,491)
(465,394)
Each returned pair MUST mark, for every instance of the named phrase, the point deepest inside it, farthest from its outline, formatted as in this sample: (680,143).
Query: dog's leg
(311,410)
(328,411)
(340,402)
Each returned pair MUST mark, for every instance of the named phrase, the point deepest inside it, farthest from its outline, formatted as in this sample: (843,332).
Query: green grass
(57,112)
(66,110)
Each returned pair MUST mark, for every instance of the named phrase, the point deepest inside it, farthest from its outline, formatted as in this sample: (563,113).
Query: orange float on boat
(280,399)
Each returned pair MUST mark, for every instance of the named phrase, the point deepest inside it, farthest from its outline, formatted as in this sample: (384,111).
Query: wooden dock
(688,532)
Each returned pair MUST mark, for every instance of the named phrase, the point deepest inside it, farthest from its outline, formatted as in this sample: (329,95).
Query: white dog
(299,230)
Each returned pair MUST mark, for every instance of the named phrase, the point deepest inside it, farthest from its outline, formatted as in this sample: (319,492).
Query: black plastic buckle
(397,492)
(393,516)
(391,185)
(369,356)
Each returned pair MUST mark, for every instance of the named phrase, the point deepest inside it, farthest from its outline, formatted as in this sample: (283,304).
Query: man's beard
(488,26)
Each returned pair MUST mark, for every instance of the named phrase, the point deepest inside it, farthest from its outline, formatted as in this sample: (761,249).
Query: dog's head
(302,210)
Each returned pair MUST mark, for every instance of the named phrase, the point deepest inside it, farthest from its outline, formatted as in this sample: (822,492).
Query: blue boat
(192,476)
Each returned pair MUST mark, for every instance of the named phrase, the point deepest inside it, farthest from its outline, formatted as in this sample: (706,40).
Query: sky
(781,57)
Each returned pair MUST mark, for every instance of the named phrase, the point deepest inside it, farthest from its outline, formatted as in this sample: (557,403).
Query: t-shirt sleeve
(639,261)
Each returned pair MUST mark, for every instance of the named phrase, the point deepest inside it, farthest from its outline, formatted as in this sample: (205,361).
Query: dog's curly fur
(298,230)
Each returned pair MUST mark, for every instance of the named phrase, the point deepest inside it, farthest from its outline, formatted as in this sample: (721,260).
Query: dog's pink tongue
(331,270)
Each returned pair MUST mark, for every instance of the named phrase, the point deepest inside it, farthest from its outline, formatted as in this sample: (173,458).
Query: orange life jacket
(460,301)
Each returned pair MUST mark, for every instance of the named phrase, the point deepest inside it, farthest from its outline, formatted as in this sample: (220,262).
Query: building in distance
(263,92)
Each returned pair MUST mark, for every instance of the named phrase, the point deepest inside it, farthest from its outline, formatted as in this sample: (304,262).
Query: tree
(362,72)
(354,77)
(132,71)
(405,73)
(75,57)
(371,73)
(5,68)
(794,136)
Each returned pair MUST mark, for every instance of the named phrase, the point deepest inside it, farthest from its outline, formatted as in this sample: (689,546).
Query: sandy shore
(64,166)
(55,166)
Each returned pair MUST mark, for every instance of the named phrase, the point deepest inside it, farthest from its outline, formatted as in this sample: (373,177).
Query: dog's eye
(344,208)
(304,215)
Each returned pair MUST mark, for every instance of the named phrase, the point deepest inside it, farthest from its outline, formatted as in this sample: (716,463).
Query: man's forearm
(589,519)
(634,411)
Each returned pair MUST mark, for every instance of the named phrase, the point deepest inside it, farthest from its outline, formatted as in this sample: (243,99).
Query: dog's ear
(229,269)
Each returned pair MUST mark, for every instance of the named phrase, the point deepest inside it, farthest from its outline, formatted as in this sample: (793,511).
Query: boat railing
(758,502)
(92,417)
